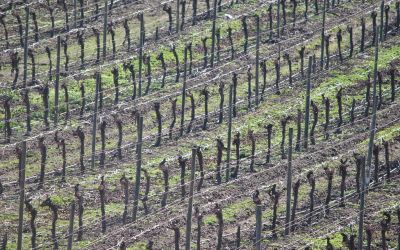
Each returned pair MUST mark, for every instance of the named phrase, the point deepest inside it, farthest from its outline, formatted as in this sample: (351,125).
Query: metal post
(183,94)
(94,119)
(21,194)
(228,151)
(289,183)
(323,35)
(213,33)
(57,84)
(257,58)
(307,117)
(367,168)
(104,30)
(190,206)
(71,226)
(138,166)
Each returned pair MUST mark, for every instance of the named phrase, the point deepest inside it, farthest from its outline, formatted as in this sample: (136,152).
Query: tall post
(257,58)
(75,13)
(190,205)
(362,206)
(323,35)
(141,43)
(94,119)
(213,33)
(178,5)
(183,94)
(228,151)
(21,194)
(57,84)
(138,166)
(71,226)
(289,183)
(278,17)
(366,170)
(258,226)
(25,75)
(307,117)
(373,117)
(194,18)
(381,21)
(105,30)
(26,45)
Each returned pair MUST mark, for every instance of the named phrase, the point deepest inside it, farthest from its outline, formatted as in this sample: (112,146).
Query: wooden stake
(190,205)
(279,18)
(26,45)
(183,94)
(289,183)
(307,117)
(75,12)
(228,151)
(141,43)
(323,35)
(57,83)
(194,17)
(382,15)
(213,38)
(138,166)
(71,226)
(104,28)
(258,225)
(21,194)
(178,3)
(94,119)
(366,169)
(257,59)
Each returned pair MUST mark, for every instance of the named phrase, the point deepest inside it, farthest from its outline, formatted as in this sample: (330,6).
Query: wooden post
(258,226)
(190,205)
(141,43)
(75,11)
(213,33)
(21,194)
(323,35)
(307,117)
(178,5)
(71,226)
(289,183)
(94,119)
(104,29)
(138,165)
(228,151)
(26,45)
(183,94)
(374,108)
(279,19)
(194,17)
(366,168)
(57,84)
(382,14)
(257,59)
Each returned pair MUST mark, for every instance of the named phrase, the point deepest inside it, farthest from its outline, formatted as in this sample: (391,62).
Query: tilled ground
(155,226)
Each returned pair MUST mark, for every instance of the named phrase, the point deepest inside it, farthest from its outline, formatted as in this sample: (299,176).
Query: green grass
(230,212)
